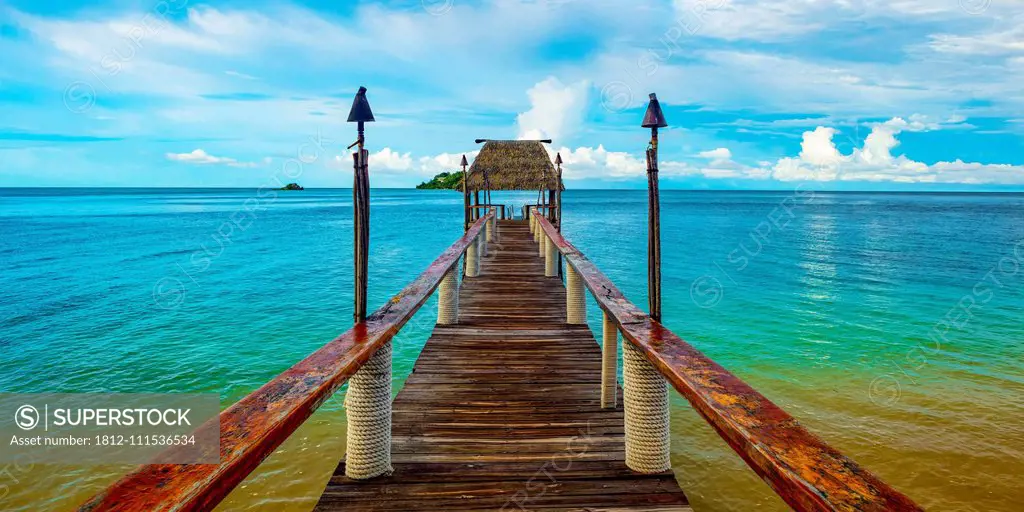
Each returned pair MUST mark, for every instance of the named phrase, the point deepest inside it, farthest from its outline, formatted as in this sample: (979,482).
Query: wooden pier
(503,410)
(513,404)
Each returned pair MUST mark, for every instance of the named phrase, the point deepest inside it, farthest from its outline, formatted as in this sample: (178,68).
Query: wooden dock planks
(502,411)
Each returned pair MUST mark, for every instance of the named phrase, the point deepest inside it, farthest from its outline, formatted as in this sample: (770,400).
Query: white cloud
(396,164)
(775,20)
(556,110)
(599,163)
(391,160)
(716,154)
(200,157)
(583,163)
(821,160)
(990,42)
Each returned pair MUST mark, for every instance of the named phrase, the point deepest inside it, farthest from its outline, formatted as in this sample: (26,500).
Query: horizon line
(1019,190)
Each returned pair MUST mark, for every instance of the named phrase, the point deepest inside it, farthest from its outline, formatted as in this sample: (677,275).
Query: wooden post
(654,118)
(653,230)
(552,196)
(476,202)
(361,225)
(558,203)
(465,195)
(368,401)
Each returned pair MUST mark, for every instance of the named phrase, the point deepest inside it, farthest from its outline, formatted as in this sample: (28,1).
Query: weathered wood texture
(806,472)
(503,410)
(256,425)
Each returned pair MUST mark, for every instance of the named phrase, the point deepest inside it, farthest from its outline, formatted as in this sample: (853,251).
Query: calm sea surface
(889,324)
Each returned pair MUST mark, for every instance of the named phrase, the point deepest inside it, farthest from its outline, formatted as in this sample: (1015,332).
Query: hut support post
(609,362)
(575,297)
(645,400)
(448,298)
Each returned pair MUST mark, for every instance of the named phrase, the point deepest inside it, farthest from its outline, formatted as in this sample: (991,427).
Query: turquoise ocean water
(890,324)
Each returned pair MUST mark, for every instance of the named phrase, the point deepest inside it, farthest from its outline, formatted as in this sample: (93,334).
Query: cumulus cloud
(556,110)
(200,157)
(391,160)
(821,160)
(394,163)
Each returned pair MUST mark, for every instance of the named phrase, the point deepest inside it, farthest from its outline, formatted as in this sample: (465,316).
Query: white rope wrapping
(539,238)
(645,397)
(533,224)
(609,362)
(368,407)
(550,258)
(537,233)
(485,235)
(448,298)
(492,226)
(472,261)
(575,297)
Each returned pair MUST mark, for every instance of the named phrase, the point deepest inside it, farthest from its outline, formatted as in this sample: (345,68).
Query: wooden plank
(255,426)
(503,412)
(803,470)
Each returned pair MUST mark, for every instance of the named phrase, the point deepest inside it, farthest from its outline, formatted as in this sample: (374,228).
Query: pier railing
(803,470)
(252,428)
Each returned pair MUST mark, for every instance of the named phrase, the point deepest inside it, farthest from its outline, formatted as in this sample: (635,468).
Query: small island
(443,181)
(292,186)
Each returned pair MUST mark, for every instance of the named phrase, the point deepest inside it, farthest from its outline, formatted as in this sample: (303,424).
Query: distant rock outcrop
(292,186)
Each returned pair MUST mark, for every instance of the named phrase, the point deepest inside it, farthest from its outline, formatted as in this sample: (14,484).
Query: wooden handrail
(252,428)
(802,469)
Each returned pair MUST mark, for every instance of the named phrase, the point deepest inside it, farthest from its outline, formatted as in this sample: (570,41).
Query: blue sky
(838,94)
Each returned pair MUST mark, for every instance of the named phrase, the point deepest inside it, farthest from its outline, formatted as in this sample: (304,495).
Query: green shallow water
(890,324)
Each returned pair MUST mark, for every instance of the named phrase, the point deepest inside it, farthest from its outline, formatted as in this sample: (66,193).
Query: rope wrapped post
(533,224)
(485,236)
(609,362)
(368,408)
(537,233)
(550,258)
(472,259)
(575,298)
(492,227)
(645,398)
(448,298)
(539,237)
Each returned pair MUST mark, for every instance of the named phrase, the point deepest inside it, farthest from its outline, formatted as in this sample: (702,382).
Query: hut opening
(513,165)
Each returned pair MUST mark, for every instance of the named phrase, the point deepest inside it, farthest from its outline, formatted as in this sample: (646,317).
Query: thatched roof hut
(512,165)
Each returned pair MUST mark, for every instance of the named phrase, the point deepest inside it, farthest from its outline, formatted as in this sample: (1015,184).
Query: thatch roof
(512,165)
